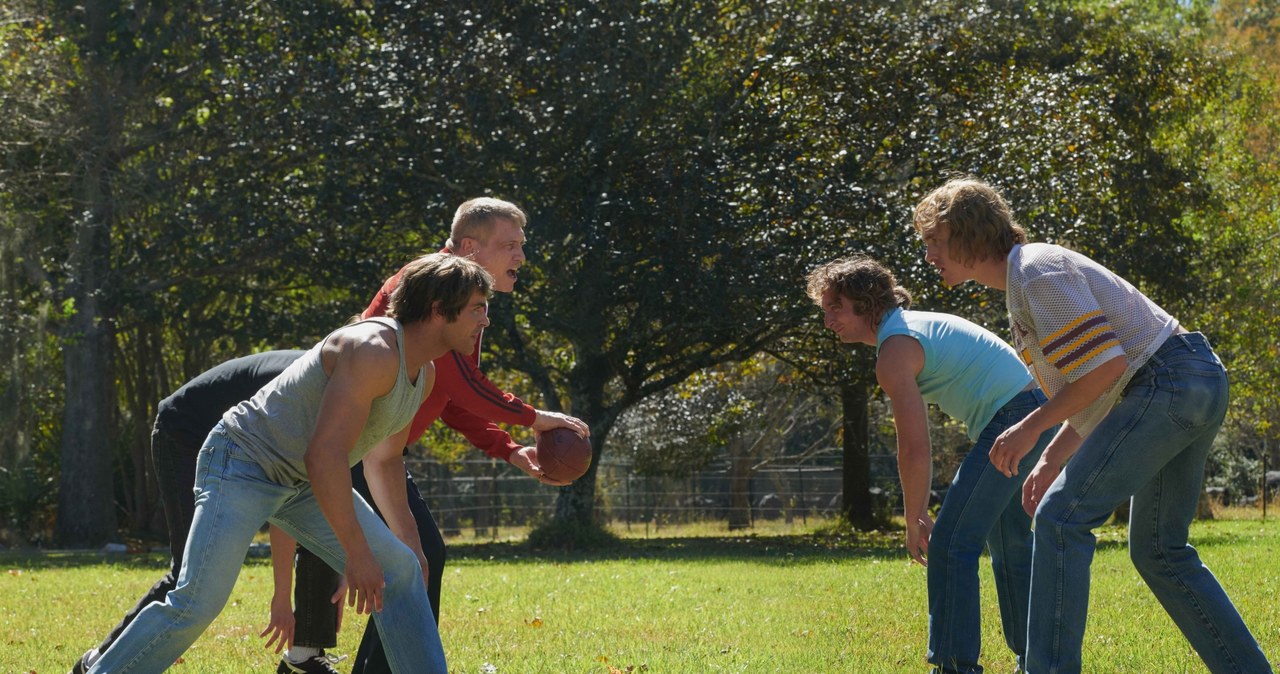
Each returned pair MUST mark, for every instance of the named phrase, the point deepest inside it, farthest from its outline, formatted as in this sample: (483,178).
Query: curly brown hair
(869,286)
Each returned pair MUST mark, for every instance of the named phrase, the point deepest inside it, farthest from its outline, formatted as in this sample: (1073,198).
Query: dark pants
(370,658)
(175,462)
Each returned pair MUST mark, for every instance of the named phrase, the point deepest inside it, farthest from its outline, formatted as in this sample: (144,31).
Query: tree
(755,412)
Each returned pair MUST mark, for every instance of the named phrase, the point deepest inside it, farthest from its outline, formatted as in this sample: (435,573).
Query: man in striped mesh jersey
(1142,399)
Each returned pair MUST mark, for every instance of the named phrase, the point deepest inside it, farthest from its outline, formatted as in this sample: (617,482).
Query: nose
(484,319)
(828,319)
(520,254)
(930,253)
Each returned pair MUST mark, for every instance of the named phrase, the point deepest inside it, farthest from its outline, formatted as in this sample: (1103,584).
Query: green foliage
(683,164)
(27,499)
(565,536)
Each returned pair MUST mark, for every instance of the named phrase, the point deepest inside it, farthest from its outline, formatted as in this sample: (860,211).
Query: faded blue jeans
(982,508)
(1152,447)
(234,498)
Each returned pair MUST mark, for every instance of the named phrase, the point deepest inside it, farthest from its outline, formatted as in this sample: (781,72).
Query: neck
(993,272)
(422,345)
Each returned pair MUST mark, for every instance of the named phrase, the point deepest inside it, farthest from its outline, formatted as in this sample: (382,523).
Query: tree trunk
(86,510)
(856,480)
(576,503)
(739,491)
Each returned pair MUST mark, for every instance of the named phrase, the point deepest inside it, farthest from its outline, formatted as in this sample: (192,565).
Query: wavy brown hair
(441,282)
(975,217)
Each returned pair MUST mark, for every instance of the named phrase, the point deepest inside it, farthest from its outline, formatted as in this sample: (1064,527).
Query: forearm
(1075,396)
(331,482)
(1063,446)
(282,554)
(386,478)
(915,469)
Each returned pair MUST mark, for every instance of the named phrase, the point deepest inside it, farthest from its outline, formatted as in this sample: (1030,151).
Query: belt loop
(1186,341)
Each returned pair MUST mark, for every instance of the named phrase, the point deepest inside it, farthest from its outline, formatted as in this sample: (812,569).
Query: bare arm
(281,625)
(385,472)
(1019,438)
(362,367)
(900,361)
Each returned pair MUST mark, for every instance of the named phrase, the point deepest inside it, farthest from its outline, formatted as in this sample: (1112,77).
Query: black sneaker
(316,664)
(82,665)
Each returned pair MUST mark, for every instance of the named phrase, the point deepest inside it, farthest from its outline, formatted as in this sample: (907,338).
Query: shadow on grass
(821,547)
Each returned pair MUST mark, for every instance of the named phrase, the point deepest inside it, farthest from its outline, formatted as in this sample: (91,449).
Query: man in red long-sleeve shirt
(490,232)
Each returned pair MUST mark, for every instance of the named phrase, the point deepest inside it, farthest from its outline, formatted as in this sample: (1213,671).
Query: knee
(1149,558)
(191,613)
(400,566)
(954,542)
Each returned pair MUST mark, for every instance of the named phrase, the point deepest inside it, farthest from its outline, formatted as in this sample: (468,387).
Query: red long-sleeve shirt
(462,396)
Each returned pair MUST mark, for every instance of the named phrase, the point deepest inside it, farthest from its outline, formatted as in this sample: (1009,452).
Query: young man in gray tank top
(284,457)
(974,376)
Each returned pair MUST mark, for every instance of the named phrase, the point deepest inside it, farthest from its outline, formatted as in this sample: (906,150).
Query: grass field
(683,601)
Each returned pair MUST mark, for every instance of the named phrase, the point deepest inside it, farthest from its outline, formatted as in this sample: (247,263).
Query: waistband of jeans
(1191,341)
(1031,397)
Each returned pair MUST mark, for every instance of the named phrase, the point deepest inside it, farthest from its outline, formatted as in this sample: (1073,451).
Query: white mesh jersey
(1069,314)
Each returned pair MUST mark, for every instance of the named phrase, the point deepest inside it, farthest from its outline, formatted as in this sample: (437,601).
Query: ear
(467,247)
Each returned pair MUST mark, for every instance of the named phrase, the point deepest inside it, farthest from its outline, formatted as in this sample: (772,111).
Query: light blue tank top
(274,427)
(968,371)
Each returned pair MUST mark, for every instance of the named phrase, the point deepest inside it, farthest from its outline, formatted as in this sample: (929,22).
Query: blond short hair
(474,219)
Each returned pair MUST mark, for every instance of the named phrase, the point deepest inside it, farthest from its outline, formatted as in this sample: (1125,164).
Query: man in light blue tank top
(284,457)
(972,375)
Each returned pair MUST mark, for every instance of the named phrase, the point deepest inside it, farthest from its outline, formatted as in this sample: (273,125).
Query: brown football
(563,454)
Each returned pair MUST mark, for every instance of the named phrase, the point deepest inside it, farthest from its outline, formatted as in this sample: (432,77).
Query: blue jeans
(1152,447)
(234,498)
(982,507)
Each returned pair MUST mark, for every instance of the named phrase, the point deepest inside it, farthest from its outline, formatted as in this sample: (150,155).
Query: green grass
(668,602)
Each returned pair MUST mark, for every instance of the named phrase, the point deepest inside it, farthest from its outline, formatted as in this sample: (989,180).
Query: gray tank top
(276,424)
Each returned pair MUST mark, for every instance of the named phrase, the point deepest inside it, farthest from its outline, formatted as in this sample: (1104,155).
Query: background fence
(484,495)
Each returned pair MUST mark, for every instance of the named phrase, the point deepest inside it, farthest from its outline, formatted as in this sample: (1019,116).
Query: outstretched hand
(1013,444)
(1037,484)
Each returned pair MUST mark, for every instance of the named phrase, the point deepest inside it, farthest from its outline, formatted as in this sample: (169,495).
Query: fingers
(1030,499)
(546,421)
(365,600)
(553,483)
(918,558)
(282,637)
(999,458)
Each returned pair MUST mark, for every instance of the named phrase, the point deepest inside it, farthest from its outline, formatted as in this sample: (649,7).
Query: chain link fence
(485,495)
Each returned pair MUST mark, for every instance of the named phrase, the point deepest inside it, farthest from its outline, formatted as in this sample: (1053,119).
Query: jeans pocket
(1199,393)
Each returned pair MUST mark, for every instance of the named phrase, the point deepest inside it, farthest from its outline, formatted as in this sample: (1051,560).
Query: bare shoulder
(899,362)
(368,349)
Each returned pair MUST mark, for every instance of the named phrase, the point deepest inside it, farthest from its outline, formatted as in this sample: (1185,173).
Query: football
(563,455)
